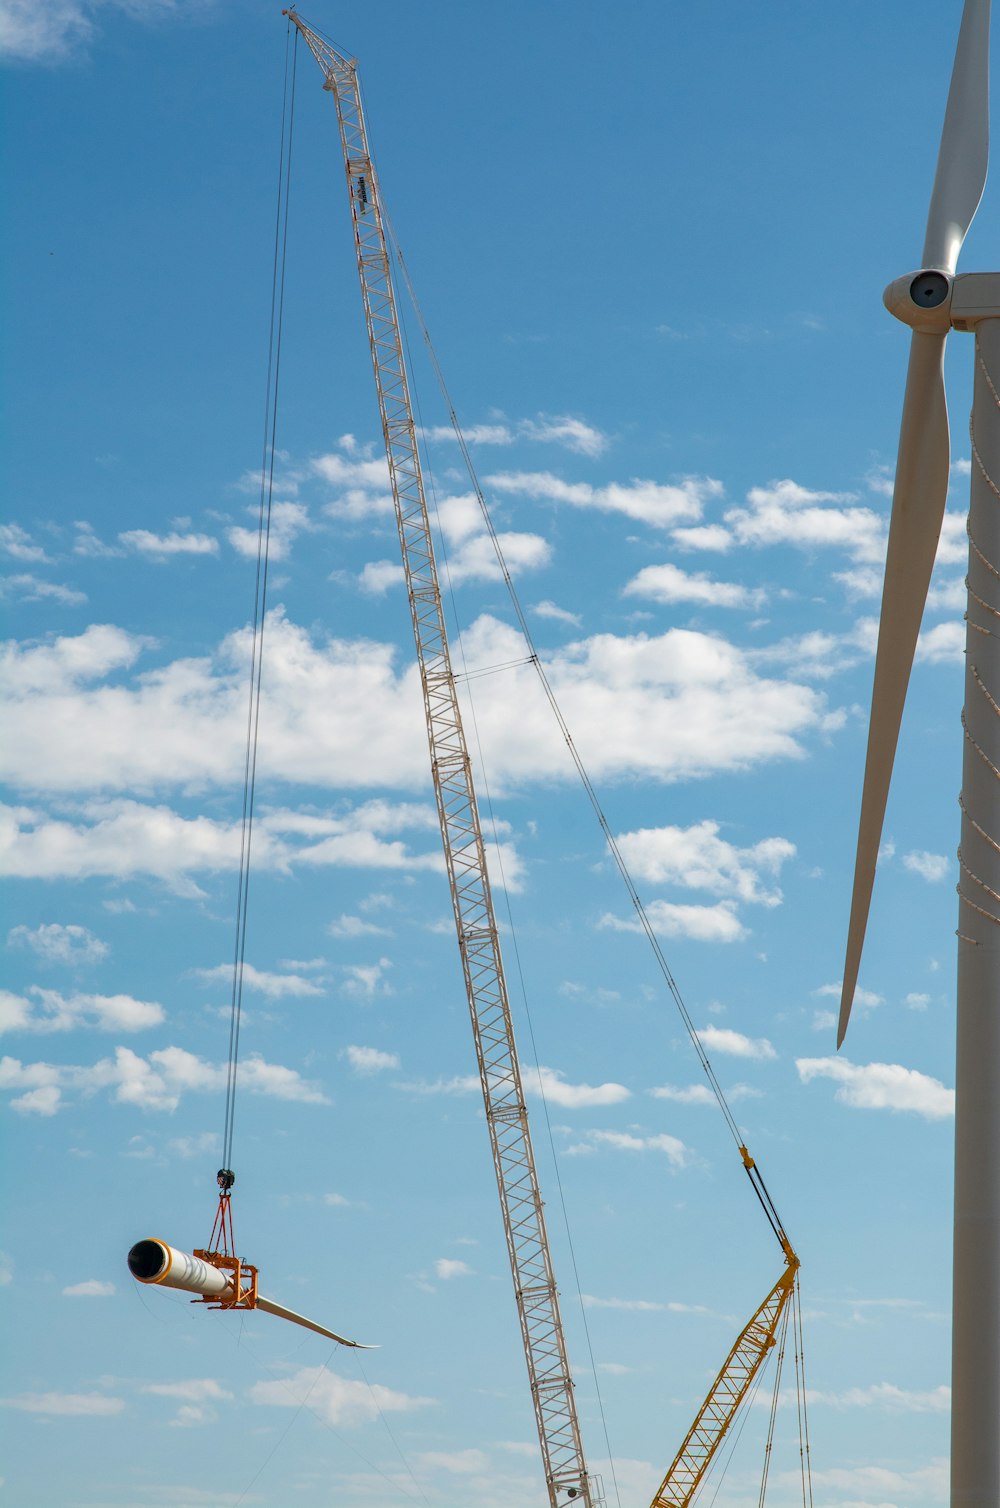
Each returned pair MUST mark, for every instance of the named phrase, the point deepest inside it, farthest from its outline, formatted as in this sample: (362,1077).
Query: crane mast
(552,1391)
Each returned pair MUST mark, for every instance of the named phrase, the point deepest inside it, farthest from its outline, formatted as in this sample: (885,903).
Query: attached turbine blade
(269,1307)
(918,504)
(965,142)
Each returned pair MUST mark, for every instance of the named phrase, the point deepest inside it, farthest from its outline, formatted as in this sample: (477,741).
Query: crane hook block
(225,1178)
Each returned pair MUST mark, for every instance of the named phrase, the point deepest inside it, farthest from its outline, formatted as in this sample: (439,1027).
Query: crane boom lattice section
(728,1391)
(537,1300)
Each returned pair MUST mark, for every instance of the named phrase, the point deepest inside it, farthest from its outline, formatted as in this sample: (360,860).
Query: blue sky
(650,243)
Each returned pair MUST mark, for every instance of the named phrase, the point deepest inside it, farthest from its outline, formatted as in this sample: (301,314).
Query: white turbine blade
(918,503)
(269,1307)
(965,142)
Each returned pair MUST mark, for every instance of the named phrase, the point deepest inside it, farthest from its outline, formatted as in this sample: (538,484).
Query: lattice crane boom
(749,1352)
(552,1391)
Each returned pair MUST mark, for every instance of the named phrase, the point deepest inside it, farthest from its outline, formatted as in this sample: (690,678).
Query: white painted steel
(975,1456)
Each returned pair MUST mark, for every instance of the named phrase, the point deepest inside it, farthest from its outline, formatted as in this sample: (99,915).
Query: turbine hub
(922,300)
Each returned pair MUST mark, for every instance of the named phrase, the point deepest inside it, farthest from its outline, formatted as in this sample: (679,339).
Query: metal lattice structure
(730,1388)
(552,1391)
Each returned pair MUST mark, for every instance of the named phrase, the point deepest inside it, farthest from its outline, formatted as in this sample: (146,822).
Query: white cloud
(355,926)
(50,1011)
(669,584)
(931,867)
(553,429)
(127,838)
(881,1086)
(66,1405)
(558,614)
(288,520)
(56,943)
(626,1141)
(867,999)
(337,1400)
(700,1094)
(451,1267)
(274,986)
(91,1288)
(15,541)
(715,924)
(785,513)
(563,429)
(942,644)
(734,1044)
(31,589)
(697,858)
(662,506)
(158,1082)
(59,30)
(551,1084)
(671,706)
(163,546)
(194,1390)
(884,1395)
(368,1060)
(870,1484)
(366,980)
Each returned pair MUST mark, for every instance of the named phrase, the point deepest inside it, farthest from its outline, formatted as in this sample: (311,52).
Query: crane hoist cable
(752,1348)
(533,657)
(226,1177)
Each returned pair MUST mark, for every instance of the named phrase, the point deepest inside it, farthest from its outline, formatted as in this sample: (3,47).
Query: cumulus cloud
(58,943)
(340,713)
(626,1141)
(715,924)
(158,1082)
(700,1094)
(931,867)
(194,1390)
(288,520)
(451,1267)
(734,1044)
(546,609)
(661,505)
(15,541)
(164,546)
(699,859)
(32,589)
(50,1011)
(123,838)
(881,1086)
(91,1288)
(786,513)
(34,33)
(669,584)
(274,986)
(369,1060)
(552,1085)
(338,1400)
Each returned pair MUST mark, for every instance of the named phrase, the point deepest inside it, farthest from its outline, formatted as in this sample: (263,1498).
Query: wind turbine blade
(269,1307)
(965,142)
(918,504)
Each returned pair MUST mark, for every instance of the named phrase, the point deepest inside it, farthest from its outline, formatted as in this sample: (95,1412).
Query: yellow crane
(552,1391)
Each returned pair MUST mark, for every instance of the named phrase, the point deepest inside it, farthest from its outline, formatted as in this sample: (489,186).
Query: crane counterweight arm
(552,1391)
